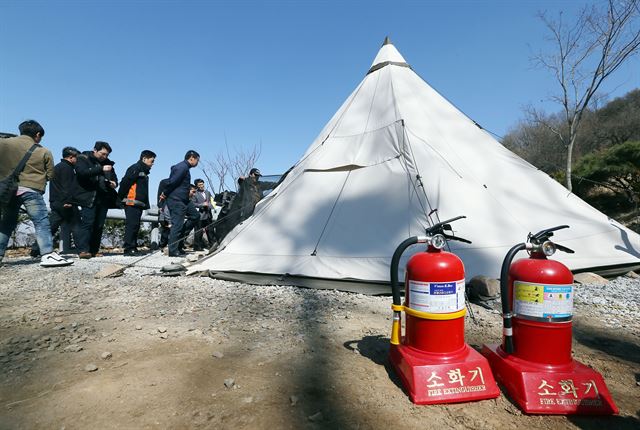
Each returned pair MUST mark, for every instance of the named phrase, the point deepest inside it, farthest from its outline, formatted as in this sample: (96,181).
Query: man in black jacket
(97,180)
(176,195)
(134,195)
(64,207)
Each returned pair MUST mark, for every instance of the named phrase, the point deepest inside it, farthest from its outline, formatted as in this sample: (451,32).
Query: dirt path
(201,353)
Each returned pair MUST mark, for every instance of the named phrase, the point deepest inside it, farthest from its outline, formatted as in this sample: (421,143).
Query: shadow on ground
(376,349)
(607,341)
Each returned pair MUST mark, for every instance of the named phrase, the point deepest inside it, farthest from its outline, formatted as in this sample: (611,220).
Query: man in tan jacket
(31,186)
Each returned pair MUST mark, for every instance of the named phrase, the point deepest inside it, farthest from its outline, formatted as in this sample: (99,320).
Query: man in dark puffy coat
(62,200)
(97,180)
(176,195)
(134,195)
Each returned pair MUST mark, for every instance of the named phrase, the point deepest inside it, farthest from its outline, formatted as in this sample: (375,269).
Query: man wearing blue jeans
(31,185)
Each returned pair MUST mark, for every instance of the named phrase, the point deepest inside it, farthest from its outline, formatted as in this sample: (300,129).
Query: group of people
(84,186)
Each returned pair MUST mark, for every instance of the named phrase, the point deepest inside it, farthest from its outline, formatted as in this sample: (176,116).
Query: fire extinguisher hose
(395,290)
(507,312)
(395,262)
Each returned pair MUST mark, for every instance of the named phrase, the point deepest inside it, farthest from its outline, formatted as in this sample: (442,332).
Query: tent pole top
(387,41)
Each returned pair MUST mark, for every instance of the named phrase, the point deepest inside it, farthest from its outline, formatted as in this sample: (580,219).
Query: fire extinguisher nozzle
(508,344)
(395,329)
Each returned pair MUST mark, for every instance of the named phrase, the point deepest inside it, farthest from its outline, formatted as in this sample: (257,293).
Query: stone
(293,400)
(73,348)
(217,354)
(589,278)
(106,355)
(57,320)
(483,286)
(248,399)
(164,336)
(138,327)
(90,367)
(631,274)
(173,268)
(110,271)
(229,383)
(162,329)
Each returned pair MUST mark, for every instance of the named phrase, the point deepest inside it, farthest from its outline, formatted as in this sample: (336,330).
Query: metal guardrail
(149,215)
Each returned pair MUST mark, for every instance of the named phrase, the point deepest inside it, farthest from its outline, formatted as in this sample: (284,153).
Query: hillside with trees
(606,170)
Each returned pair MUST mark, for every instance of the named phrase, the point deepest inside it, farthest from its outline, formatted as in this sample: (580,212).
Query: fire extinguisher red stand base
(550,389)
(432,378)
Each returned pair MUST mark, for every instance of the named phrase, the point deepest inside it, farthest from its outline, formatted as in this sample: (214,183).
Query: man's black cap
(255,171)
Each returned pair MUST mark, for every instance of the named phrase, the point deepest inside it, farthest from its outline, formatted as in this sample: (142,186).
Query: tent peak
(387,55)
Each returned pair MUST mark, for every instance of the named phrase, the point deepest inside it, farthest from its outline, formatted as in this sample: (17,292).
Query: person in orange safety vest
(134,195)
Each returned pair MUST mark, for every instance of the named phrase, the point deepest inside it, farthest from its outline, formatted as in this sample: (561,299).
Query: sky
(176,75)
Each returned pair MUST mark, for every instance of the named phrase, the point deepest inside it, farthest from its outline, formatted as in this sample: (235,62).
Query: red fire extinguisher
(535,318)
(432,359)
(534,362)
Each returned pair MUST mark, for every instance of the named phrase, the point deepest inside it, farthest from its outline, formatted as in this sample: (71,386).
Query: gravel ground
(617,301)
(146,351)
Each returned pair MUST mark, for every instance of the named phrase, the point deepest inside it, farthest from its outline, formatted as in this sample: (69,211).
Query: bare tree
(228,165)
(534,140)
(586,54)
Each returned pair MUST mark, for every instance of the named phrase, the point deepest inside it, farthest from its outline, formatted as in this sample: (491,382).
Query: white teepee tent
(395,151)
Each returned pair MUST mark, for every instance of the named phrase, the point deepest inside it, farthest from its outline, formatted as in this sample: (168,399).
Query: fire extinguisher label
(545,302)
(436,297)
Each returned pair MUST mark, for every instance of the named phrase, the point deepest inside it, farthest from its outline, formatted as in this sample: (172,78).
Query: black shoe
(179,254)
(131,253)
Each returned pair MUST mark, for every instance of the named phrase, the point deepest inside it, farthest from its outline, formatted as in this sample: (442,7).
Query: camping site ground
(144,351)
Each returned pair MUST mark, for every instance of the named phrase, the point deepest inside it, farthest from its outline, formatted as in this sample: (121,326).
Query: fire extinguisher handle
(459,239)
(564,249)
(439,227)
(547,232)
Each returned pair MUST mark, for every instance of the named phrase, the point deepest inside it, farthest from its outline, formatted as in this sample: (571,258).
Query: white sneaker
(54,260)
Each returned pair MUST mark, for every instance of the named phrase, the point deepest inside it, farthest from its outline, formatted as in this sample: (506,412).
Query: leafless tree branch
(229,164)
(584,55)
